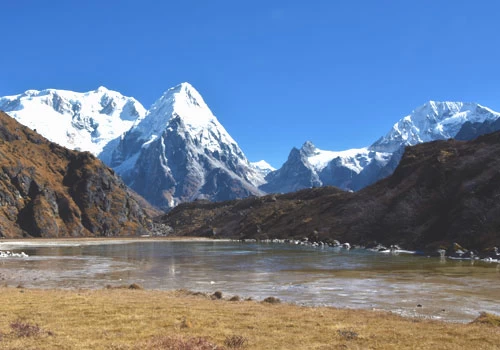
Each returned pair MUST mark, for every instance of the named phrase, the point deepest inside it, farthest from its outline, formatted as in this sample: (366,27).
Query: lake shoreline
(398,284)
(15,243)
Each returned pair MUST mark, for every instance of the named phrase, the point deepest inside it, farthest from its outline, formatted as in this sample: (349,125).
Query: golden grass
(145,319)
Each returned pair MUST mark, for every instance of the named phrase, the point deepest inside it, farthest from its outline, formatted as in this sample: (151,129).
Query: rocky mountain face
(357,168)
(470,130)
(49,191)
(309,167)
(82,121)
(180,152)
(441,192)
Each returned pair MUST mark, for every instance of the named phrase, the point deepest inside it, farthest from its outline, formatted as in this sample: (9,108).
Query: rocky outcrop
(441,192)
(49,191)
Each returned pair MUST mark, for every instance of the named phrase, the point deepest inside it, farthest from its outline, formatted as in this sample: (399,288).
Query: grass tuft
(487,318)
(347,334)
(235,342)
(185,323)
(180,343)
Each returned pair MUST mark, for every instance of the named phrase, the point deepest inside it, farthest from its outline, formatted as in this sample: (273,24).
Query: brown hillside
(442,192)
(49,191)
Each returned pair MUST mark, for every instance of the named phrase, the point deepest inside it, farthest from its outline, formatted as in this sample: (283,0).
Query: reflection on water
(408,285)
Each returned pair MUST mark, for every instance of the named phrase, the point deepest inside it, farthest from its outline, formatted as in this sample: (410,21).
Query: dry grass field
(123,318)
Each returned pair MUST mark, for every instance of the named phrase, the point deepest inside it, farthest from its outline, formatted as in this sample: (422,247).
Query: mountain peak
(308,148)
(181,101)
(184,86)
(101,89)
(185,93)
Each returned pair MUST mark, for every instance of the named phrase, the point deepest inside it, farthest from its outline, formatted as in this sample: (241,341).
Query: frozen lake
(408,285)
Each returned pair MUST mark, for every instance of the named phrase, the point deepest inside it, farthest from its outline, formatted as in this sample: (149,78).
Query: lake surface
(408,285)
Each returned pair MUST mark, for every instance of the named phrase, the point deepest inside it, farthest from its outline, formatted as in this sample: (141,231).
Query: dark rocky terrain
(49,191)
(470,130)
(441,192)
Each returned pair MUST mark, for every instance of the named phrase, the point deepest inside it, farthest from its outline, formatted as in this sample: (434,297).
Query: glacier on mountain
(83,121)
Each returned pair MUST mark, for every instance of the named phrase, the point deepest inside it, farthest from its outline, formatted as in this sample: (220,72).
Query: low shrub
(347,334)
(271,300)
(135,286)
(22,329)
(235,341)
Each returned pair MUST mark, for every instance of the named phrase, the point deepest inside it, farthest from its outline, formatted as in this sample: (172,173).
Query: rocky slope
(441,192)
(49,191)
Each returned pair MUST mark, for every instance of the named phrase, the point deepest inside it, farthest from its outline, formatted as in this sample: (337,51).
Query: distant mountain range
(177,151)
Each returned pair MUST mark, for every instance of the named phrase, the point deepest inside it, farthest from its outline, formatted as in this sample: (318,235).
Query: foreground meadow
(123,318)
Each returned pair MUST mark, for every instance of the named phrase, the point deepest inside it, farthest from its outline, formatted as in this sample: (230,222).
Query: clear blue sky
(275,73)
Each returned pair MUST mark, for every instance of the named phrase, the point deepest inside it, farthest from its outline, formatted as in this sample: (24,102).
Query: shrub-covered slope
(49,191)
(442,192)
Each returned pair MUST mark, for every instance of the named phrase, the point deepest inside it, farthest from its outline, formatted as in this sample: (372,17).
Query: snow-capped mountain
(180,152)
(263,167)
(432,121)
(83,121)
(310,166)
(356,168)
